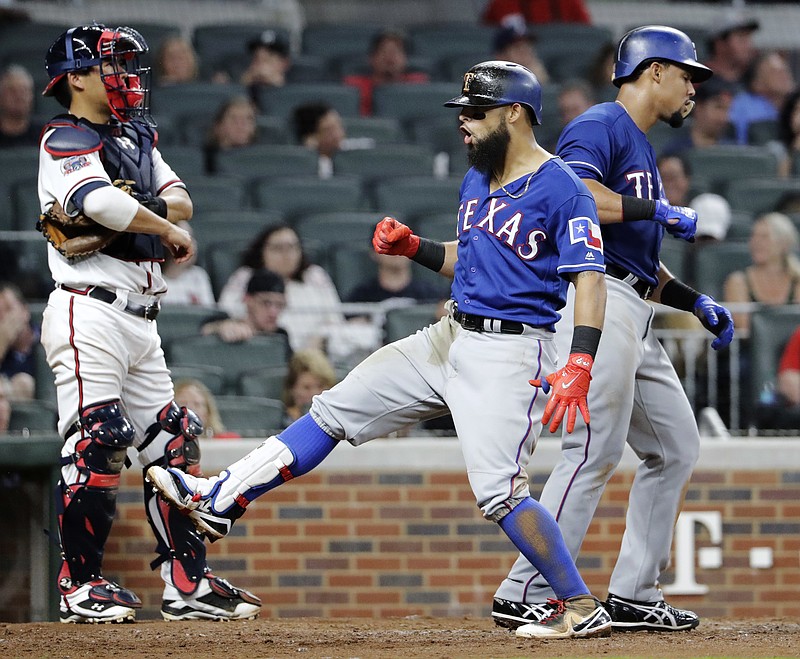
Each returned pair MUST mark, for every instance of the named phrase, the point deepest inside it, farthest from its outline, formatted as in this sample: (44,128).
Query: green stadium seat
(211,376)
(178,100)
(250,416)
(722,165)
(439,41)
(335,40)
(221,260)
(234,358)
(176,322)
(407,102)
(263,382)
(297,195)
(760,195)
(216,193)
(385,161)
(379,129)
(714,262)
(281,101)
(216,42)
(258,161)
(33,416)
(416,195)
(404,321)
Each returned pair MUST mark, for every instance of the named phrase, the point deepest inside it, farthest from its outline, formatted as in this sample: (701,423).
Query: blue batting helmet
(656,43)
(495,82)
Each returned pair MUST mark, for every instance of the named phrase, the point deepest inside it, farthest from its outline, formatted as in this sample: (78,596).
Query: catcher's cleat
(582,616)
(214,599)
(511,615)
(184,492)
(631,616)
(98,601)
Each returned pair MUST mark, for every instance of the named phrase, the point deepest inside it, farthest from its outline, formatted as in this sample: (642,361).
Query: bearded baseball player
(99,330)
(526,227)
(636,395)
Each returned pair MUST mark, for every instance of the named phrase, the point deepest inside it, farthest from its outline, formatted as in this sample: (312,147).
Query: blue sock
(536,534)
(310,445)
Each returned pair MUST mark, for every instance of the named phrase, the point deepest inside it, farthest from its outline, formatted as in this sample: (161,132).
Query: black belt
(642,288)
(475,323)
(146,311)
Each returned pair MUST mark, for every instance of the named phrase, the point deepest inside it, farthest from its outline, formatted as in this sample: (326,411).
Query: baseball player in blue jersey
(526,227)
(636,395)
(99,331)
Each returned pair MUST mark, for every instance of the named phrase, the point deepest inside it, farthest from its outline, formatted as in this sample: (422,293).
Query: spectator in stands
(599,76)
(5,404)
(310,373)
(319,127)
(18,339)
(394,280)
(731,48)
(312,302)
(709,124)
(16,108)
(789,370)
(188,284)
(264,301)
(518,45)
(176,62)
(234,126)
(768,85)
(388,63)
(789,134)
(194,394)
(574,98)
(520,12)
(270,61)
(773,278)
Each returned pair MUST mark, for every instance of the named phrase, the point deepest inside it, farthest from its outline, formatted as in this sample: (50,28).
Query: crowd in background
(281,278)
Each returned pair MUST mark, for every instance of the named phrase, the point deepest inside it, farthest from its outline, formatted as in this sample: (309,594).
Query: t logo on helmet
(468,78)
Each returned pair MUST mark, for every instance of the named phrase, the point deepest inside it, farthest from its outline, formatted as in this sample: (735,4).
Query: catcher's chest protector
(126,153)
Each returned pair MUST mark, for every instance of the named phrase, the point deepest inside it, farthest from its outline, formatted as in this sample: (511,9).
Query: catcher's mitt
(78,235)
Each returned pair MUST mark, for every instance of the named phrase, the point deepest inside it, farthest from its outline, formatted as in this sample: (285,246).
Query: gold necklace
(527,184)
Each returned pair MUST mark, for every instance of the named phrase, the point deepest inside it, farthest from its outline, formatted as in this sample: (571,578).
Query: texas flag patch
(584,230)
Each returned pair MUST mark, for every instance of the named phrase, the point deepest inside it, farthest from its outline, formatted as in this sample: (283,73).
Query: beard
(676,119)
(489,154)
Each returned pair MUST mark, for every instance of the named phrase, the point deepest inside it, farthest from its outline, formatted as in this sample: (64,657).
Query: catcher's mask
(496,82)
(127,84)
(656,43)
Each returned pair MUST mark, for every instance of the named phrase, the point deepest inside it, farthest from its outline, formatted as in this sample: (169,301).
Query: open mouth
(466,133)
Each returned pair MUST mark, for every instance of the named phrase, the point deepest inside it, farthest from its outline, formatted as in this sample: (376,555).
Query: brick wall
(393,531)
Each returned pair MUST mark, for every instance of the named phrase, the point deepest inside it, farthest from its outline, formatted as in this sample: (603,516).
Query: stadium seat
(723,164)
(741,225)
(211,376)
(674,255)
(404,321)
(178,321)
(297,195)
(215,193)
(281,101)
(44,385)
(439,41)
(770,329)
(208,233)
(24,204)
(250,416)
(178,100)
(234,358)
(713,263)
(408,103)
(258,161)
(186,161)
(263,382)
(379,129)
(442,137)
(351,265)
(221,260)
(33,416)
(385,161)
(332,40)
(761,195)
(416,195)
(436,226)
(762,132)
(325,231)
(24,255)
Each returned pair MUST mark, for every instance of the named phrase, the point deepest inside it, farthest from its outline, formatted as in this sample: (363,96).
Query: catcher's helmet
(86,46)
(495,82)
(656,43)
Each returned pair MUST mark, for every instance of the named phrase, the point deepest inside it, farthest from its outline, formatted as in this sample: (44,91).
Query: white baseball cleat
(215,599)
(98,601)
(582,616)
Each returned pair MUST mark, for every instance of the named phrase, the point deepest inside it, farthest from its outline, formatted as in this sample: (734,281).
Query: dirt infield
(401,638)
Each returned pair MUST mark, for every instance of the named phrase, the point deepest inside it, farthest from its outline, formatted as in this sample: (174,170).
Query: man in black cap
(517,44)
(731,48)
(270,61)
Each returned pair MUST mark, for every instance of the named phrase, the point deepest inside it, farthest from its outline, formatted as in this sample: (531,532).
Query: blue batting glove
(679,221)
(716,319)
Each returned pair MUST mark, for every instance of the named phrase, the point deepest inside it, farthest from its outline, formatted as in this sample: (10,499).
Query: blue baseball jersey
(515,254)
(605,144)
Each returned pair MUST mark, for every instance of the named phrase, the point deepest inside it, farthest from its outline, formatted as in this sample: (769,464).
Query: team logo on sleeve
(73,164)
(584,230)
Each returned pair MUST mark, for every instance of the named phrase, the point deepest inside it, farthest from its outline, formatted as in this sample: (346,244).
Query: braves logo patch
(73,164)
(584,230)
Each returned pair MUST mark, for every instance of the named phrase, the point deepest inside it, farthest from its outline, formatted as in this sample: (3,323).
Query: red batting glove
(570,385)
(393,237)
